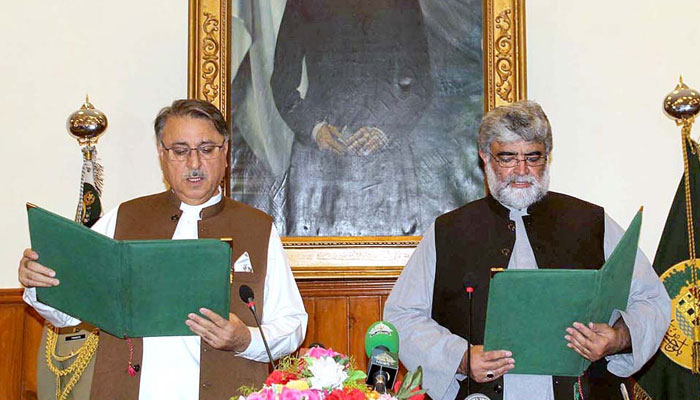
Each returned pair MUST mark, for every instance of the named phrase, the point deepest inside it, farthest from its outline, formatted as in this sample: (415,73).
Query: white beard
(517,197)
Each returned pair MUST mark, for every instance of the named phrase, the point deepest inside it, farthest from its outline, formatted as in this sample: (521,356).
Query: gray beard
(513,197)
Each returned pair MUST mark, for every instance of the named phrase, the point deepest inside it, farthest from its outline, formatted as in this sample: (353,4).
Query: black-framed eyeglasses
(206,151)
(511,161)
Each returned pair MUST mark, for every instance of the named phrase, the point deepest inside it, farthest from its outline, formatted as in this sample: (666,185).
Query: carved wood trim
(317,273)
(354,241)
(208,52)
(504,52)
(375,257)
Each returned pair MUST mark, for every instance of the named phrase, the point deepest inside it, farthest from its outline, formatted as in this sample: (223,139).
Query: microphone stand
(267,348)
(251,306)
(248,297)
(469,290)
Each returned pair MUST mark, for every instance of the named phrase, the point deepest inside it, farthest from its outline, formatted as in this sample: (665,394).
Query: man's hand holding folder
(223,334)
(33,274)
(598,340)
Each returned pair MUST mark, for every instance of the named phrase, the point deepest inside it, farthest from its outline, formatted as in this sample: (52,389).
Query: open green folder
(129,288)
(529,310)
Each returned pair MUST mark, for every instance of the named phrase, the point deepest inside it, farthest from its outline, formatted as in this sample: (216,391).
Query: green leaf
(411,381)
(245,391)
(342,361)
(417,378)
(356,375)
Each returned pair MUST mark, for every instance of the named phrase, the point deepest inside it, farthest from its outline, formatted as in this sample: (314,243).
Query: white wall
(599,68)
(129,55)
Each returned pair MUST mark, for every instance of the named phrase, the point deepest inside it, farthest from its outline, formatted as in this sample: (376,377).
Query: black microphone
(470,283)
(382,346)
(248,297)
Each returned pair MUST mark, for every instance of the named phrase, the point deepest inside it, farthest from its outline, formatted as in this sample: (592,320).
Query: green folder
(129,288)
(529,310)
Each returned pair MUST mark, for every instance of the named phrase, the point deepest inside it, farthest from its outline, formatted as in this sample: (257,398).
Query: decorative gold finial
(683,103)
(87,124)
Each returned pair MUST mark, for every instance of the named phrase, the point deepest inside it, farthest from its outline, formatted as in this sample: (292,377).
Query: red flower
(335,395)
(418,396)
(280,377)
(346,394)
(355,394)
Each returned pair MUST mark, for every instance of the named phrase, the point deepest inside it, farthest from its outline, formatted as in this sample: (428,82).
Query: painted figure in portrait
(355,117)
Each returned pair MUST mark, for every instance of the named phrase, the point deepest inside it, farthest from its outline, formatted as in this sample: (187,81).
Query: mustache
(194,173)
(529,178)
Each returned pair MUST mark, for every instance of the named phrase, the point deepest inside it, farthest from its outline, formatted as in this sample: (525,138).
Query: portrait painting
(358,117)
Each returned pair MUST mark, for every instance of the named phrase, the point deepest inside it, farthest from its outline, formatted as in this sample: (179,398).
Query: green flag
(668,374)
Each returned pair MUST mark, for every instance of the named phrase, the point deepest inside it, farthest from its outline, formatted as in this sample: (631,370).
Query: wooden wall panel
(12,323)
(310,306)
(340,311)
(33,328)
(364,311)
(12,316)
(331,323)
(341,323)
(383,302)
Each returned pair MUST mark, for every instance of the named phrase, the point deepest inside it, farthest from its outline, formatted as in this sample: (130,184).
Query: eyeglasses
(206,151)
(510,161)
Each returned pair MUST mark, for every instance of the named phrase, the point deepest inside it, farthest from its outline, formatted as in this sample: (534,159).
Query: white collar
(191,211)
(516,212)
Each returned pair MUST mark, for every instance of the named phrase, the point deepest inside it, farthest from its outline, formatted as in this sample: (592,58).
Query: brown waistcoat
(221,372)
(564,232)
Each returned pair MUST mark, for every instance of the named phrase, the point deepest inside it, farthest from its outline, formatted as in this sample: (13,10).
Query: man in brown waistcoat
(226,352)
(519,225)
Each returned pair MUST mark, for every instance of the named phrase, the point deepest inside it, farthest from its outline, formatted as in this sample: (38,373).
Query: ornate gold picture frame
(503,46)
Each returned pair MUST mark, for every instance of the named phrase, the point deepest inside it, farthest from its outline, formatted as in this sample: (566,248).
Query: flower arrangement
(324,374)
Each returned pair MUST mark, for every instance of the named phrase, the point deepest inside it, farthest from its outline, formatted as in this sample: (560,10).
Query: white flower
(327,374)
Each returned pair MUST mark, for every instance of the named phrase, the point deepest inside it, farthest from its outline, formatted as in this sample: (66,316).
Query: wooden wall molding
(345,288)
(11,296)
(360,258)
